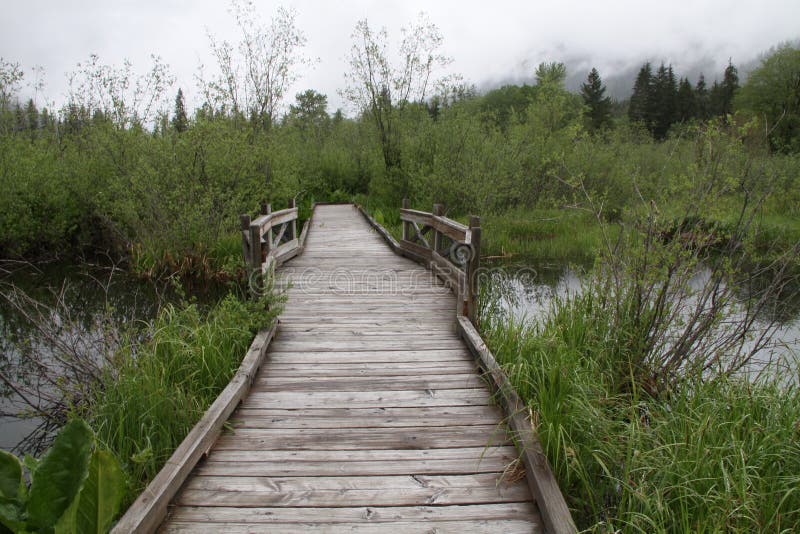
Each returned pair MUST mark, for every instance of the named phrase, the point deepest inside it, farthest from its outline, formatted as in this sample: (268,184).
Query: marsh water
(88,309)
(525,288)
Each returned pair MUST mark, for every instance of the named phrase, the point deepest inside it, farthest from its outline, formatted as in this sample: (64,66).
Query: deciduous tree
(772,92)
(551,73)
(254,74)
(382,87)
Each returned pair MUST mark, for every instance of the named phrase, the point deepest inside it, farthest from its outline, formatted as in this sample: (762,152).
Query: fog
(491,43)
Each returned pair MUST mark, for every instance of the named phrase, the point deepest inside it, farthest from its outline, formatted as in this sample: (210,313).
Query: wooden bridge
(374,405)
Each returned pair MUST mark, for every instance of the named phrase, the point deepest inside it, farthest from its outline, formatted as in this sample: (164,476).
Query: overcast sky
(491,42)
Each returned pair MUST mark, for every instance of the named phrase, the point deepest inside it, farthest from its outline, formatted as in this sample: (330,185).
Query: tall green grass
(554,234)
(713,454)
(155,392)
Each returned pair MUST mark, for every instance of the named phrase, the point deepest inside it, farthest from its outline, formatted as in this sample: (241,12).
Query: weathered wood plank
(452,466)
(365,417)
(358,344)
(371,356)
(377,369)
(488,512)
(364,438)
(370,383)
(351,490)
(377,455)
(368,399)
(506,526)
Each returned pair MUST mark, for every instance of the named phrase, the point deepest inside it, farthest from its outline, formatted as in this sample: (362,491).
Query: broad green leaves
(60,474)
(10,475)
(99,498)
(73,487)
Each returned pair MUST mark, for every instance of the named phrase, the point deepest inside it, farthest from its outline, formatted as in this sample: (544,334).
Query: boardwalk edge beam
(542,482)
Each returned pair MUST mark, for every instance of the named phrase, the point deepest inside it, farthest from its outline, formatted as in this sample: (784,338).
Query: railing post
(244,222)
(255,246)
(266,245)
(472,268)
(292,225)
(438,210)
(405,224)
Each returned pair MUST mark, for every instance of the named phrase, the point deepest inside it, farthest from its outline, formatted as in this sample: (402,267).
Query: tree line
(661,100)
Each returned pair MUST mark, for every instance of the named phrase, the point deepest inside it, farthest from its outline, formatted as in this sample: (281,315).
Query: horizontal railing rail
(450,249)
(271,239)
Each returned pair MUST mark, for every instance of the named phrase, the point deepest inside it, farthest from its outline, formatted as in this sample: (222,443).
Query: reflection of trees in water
(525,290)
(57,327)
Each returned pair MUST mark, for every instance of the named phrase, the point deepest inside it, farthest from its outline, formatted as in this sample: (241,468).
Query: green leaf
(60,474)
(12,517)
(10,475)
(30,464)
(99,499)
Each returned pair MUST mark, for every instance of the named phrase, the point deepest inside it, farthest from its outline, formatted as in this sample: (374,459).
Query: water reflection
(47,312)
(525,288)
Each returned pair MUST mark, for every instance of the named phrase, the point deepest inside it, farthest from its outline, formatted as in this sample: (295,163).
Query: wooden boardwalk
(368,414)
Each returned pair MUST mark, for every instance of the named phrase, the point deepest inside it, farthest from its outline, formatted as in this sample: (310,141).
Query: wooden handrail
(425,239)
(271,238)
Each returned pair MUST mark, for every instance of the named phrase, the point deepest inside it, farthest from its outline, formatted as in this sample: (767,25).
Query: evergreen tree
(20,121)
(179,120)
(721,96)
(686,105)
(715,100)
(639,107)
(598,110)
(663,104)
(701,99)
(32,115)
(730,84)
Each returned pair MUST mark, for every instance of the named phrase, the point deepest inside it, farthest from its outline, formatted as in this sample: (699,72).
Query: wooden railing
(271,239)
(451,250)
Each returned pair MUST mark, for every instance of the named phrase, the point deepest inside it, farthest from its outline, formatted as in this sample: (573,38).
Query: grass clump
(553,234)
(713,453)
(155,392)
